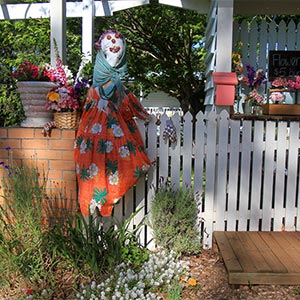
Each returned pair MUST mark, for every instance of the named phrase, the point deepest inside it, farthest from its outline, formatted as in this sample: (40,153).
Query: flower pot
(33,97)
(257,110)
(247,108)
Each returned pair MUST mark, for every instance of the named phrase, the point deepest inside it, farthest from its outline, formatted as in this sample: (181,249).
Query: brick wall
(52,155)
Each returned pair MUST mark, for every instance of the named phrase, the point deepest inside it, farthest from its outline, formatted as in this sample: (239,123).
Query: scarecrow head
(112,43)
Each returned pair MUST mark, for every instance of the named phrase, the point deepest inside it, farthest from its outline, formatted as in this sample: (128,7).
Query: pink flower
(254,97)
(276,97)
(295,84)
(280,82)
(64,100)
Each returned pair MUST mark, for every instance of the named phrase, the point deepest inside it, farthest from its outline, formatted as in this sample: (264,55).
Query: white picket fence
(246,171)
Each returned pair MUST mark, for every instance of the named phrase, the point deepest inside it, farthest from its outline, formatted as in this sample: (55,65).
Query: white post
(224,35)
(88,27)
(58,29)
(224,39)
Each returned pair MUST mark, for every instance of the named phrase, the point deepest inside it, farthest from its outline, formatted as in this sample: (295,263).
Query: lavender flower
(254,79)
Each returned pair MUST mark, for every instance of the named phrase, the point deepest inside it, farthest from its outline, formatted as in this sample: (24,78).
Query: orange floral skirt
(109,152)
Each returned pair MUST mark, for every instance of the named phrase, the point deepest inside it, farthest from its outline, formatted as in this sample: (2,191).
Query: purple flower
(254,79)
(7,148)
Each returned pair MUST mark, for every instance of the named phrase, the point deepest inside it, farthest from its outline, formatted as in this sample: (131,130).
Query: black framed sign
(284,64)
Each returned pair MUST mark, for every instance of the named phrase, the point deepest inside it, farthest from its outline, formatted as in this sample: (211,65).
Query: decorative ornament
(170,132)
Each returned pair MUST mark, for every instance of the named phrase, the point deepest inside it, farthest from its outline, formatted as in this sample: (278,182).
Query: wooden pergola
(219,31)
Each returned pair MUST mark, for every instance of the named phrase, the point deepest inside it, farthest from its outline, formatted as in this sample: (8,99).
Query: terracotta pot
(33,97)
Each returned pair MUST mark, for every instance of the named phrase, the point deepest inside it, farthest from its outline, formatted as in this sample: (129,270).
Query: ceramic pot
(33,96)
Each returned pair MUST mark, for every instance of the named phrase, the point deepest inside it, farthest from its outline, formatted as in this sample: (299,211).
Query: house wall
(160,99)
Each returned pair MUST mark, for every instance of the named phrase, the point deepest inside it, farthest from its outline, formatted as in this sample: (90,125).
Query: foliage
(20,41)
(173,56)
(22,245)
(11,109)
(165,50)
(173,220)
(94,250)
(175,291)
(42,256)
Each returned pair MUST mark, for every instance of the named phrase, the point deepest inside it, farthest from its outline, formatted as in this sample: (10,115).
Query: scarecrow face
(112,45)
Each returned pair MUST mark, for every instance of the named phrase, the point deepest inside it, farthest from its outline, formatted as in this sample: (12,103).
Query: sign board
(284,64)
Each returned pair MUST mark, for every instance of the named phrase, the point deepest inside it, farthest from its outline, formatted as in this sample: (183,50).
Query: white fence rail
(246,171)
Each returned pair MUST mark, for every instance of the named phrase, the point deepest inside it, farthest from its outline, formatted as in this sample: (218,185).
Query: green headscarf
(104,72)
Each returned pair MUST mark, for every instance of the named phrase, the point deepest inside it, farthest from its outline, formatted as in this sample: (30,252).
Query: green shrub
(22,246)
(173,220)
(11,109)
(94,250)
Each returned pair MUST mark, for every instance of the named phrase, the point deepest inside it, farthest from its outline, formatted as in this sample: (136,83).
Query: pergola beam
(73,9)
(4,10)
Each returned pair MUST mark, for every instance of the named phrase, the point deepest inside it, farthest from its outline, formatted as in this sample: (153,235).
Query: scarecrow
(109,150)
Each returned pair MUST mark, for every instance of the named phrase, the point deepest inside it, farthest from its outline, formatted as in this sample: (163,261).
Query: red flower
(27,71)
(29,292)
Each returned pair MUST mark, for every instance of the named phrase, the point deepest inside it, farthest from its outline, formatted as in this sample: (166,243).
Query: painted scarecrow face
(112,44)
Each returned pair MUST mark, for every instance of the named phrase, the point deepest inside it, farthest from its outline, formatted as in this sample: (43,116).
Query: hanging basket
(67,120)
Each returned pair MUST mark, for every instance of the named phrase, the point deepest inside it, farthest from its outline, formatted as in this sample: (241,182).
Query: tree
(165,50)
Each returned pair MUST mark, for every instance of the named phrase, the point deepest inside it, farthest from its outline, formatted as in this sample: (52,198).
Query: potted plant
(255,100)
(254,81)
(65,104)
(65,99)
(33,83)
(283,97)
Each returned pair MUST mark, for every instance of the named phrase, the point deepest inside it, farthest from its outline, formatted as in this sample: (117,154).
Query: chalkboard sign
(284,64)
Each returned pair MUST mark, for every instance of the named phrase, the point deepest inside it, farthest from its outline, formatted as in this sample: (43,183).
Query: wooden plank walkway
(260,257)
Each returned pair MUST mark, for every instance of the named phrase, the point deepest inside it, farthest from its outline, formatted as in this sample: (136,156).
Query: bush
(92,249)
(173,220)
(23,248)
(11,109)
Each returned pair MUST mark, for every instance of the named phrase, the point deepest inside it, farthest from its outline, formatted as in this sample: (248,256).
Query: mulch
(212,282)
